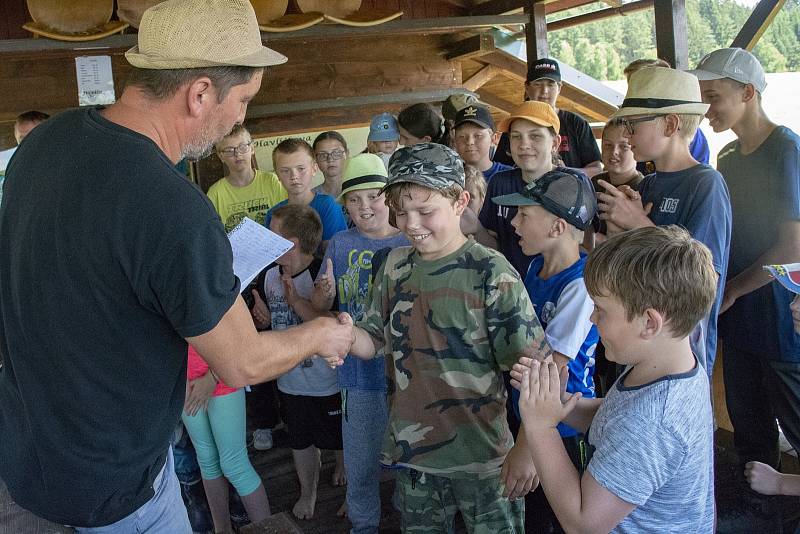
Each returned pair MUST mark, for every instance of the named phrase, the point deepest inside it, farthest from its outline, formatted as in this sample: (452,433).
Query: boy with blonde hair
(451,315)
(660,113)
(652,465)
(244,191)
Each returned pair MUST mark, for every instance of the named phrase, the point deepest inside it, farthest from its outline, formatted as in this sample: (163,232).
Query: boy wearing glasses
(244,191)
(660,114)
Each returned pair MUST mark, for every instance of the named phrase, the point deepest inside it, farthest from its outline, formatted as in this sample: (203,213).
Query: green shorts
(429,503)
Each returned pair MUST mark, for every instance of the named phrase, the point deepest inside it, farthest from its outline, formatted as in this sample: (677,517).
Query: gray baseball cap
(734,63)
(427,164)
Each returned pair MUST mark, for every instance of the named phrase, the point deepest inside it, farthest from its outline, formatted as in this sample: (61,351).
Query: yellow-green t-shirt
(253,201)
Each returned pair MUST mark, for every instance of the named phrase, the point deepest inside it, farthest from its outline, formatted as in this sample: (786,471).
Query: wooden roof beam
(509,7)
(405,97)
(481,78)
(757,23)
(471,47)
(497,102)
(672,42)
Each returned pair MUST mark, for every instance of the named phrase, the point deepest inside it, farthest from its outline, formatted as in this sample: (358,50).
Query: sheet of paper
(95,80)
(254,247)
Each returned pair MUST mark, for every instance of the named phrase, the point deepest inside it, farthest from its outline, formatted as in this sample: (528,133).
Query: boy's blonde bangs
(658,267)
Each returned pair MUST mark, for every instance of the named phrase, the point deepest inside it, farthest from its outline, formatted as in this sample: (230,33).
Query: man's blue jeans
(163,514)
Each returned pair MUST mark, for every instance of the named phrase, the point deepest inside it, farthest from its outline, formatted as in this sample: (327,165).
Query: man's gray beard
(197,149)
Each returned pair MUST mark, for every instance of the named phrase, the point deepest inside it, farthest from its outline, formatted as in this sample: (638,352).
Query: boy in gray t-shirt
(652,464)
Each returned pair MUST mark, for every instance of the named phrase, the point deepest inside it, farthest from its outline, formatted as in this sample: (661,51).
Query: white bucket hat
(662,91)
(186,34)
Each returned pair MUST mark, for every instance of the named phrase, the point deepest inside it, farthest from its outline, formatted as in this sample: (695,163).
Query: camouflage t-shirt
(450,327)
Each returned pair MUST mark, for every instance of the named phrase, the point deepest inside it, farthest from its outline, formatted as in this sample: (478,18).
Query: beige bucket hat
(185,34)
(662,91)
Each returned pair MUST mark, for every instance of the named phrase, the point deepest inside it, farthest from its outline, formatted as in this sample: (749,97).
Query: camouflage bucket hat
(428,164)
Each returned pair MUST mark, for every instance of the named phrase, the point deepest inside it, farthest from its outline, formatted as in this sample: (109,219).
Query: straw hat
(662,91)
(185,34)
(364,171)
(540,113)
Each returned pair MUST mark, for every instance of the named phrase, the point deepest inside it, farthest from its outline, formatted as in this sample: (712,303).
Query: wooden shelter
(341,75)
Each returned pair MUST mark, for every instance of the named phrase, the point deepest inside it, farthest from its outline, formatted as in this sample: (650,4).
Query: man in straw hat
(762,170)
(110,261)
(660,114)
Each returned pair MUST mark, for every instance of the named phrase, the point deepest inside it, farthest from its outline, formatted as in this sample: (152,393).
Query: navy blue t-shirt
(494,169)
(109,258)
(696,199)
(765,192)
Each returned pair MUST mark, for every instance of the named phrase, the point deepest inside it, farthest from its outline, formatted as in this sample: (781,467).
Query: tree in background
(602,49)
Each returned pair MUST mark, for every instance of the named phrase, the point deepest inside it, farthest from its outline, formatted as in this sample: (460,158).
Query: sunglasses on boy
(630,124)
(333,155)
(243,148)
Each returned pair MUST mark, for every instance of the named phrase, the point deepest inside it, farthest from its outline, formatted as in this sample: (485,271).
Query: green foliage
(603,48)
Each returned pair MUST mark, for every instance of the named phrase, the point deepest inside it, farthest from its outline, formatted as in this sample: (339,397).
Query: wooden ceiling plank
(481,78)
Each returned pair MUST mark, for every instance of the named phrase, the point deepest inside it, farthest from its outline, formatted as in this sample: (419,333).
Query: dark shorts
(313,421)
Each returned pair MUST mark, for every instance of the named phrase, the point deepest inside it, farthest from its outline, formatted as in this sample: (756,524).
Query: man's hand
(324,289)
(622,207)
(198,393)
(336,337)
(518,473)
(260,312)
(540,403)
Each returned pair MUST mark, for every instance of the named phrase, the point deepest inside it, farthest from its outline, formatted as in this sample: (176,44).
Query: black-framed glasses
(630,124)
(243,148)
(333,155)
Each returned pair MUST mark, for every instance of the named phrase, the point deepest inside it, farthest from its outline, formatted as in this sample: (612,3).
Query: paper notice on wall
(95,80)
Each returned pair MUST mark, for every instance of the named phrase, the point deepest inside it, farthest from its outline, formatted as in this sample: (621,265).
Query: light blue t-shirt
(653,447)
(330,213)
(313,377)
(351,253)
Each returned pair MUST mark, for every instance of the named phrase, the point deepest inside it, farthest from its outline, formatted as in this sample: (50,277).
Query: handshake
(336,337)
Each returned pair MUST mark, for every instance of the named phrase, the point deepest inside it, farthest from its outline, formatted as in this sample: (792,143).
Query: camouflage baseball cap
(428,164)
(567,195)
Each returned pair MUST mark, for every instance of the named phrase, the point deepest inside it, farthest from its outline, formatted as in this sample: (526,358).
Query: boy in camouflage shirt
(452,315)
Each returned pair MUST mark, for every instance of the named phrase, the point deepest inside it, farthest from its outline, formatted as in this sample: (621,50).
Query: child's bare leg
(306,463)
(339,476)
(256,504)
(217,495)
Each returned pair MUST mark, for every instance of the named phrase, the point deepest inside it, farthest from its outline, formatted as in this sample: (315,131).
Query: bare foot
(342,511)
(304,507)
(339,477)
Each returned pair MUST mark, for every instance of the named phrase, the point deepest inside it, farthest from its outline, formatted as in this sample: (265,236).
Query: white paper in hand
(254,247)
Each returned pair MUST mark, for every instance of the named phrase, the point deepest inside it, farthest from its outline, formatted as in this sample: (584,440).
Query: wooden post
(671,32)
(757,24)
(536,32)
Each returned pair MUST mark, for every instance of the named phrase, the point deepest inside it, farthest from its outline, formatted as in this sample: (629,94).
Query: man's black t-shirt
(109,257)
(578,145)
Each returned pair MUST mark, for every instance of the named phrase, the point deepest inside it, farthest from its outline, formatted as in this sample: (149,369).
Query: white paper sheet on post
(254,247)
